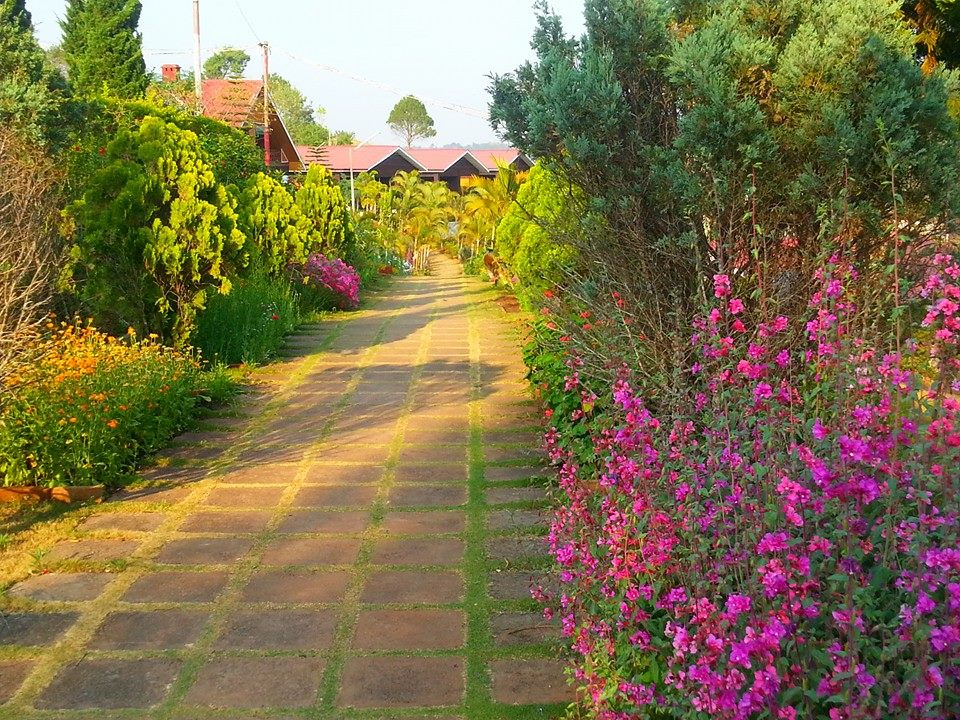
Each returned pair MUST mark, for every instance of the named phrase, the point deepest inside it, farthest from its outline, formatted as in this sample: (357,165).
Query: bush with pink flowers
(783,541)
(329,283)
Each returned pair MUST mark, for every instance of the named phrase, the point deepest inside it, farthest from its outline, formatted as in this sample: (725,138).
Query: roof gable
(503,156)
(344,158)
(231,101)
(439,160)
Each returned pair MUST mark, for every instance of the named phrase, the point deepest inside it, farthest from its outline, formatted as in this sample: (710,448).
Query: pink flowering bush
(331,282)
(783,543)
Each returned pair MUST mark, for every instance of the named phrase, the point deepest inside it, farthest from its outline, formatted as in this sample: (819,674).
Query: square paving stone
(204,551)
(166,495)
(278,682)
(400,587)
(422,523)
(438,435)
(502,453)
(12,675)
(110,684)
(410,630)
(513,629)
(149,630)
(336,496)
(428,551)
(507,520)
(66,587)
(268,454)
(176,587)
(428,496)
(433,454)
(93,550)
(227,522)
(431,474)
(395,682)
(279,630)
(245,497)
(511,585)
(513,436)
(530,682)
(313,551)
(354,453)
(516,548)
(34,629)
(343,474)
(294,588)
(135,522)
(265,474)
(325,521)
(509,473)
(505,495)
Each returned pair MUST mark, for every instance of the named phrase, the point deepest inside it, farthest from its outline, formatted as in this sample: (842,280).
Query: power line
(247,21)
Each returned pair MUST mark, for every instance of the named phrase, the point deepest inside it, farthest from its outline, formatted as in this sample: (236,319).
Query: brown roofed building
(239,103)
(385,160)
(448,165)
(511,157)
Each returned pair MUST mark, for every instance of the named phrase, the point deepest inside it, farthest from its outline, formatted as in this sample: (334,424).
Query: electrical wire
(247,21)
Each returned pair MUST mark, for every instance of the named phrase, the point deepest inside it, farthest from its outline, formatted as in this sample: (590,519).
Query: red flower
(275,317)
(102,151)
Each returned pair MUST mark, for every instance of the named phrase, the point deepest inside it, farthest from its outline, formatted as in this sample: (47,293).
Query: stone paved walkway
(357,542)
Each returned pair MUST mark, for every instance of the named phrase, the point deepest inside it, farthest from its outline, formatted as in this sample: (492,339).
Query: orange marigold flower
(112,424)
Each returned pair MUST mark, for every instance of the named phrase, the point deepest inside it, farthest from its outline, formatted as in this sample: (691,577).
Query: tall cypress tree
(103,48)
(31,92)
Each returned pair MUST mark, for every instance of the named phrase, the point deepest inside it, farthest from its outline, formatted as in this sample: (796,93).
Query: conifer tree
(31,93)
(103,48)
(326,211)
(156,233)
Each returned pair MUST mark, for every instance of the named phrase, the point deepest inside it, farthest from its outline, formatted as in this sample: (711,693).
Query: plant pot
(58,494)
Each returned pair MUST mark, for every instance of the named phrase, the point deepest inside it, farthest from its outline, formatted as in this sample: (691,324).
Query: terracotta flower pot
(58,494)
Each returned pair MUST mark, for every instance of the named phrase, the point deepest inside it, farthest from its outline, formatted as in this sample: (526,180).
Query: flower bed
(330,283)
(90,406)
(783,543)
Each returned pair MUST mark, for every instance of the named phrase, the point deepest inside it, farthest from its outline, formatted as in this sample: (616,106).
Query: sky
(356,58)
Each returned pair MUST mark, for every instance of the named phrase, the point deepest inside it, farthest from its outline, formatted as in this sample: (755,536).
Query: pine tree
(103,48)
(31,93)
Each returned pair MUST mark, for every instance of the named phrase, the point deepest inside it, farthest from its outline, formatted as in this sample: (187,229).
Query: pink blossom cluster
(334,276)
(784,542)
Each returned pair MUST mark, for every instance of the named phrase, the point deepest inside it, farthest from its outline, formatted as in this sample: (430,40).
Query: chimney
(171,73)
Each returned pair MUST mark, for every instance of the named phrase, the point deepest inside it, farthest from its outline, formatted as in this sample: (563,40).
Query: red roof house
(341,160)
(510,157)
(239,103)
(449,165)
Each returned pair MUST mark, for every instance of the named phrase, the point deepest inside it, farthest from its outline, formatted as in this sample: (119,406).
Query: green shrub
(156,232)
(527,236)
(278,233)
(91,405)
(327,212)
(249,324)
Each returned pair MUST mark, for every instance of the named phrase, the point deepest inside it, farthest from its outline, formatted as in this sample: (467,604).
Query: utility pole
(197,59)
(266,103)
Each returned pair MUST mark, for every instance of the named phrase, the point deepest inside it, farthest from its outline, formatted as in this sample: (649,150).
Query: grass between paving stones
(46,525)
(479,647)
(352,601)
(252,562)
(480,606)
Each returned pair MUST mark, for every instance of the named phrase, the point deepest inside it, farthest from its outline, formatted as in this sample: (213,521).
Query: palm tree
(489,199)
